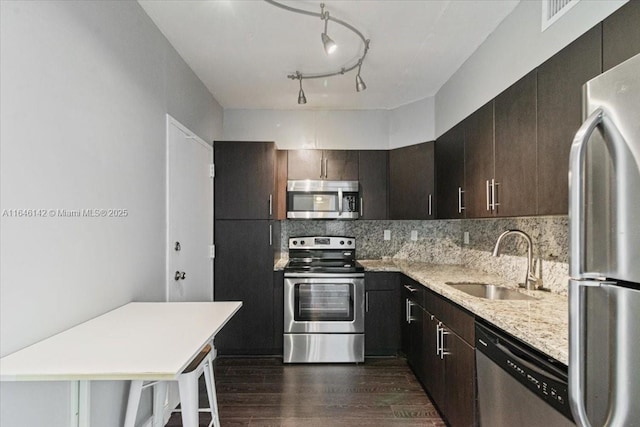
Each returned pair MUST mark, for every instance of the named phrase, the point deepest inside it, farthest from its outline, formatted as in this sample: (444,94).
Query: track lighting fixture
(329,47)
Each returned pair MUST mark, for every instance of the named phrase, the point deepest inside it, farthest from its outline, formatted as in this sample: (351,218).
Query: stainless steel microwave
(321,199)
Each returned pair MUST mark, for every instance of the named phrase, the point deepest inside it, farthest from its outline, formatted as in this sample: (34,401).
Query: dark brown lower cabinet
(459,371)
(382,313)
(434,364)
(441,355)
(244,272)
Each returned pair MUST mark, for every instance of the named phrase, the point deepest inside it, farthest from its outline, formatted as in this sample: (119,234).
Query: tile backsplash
(442,242)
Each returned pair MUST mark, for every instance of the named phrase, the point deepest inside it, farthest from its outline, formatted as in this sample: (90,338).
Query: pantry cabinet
(245,235)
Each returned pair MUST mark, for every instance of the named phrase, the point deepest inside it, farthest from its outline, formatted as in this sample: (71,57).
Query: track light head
(360,86)
(329,45)
(301,98)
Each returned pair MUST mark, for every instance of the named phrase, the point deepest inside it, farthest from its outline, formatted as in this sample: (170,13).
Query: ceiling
(243,50)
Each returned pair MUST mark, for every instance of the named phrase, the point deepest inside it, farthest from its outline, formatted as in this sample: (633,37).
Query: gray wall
(85,87)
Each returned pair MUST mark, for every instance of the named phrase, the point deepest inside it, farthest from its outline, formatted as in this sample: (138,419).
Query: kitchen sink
(485,290)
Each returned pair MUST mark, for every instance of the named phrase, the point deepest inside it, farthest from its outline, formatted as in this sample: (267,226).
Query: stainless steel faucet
(531,282)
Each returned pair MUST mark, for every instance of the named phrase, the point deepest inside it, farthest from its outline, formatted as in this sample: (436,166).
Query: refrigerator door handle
(576,193)
(577,347)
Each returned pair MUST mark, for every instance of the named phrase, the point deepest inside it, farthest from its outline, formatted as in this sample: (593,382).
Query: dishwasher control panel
(545,377)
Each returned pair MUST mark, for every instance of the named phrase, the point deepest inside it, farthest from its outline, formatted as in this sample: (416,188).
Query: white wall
(412,123)
(339,129)
(85,87)
(335,129)
(516,47)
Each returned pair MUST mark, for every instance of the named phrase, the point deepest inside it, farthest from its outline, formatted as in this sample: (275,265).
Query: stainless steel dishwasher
(517,385)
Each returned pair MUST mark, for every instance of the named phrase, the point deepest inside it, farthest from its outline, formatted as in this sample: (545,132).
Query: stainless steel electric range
(323,301)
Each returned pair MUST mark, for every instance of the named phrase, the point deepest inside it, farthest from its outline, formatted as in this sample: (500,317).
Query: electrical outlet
(387,234)
(466,238)
(414,235)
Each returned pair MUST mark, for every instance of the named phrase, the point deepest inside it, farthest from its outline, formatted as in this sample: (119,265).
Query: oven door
(324,304)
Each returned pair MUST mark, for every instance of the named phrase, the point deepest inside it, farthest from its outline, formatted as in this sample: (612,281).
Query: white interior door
(189,215)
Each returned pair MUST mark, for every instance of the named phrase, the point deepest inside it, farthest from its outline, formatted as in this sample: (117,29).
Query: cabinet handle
(326,168)
(361,207)
(441,332)
(430,197)
(321,168)
(438,339)
(460,207)
(408,305)
(270,204)
(366,302)
(339,201)
(488,197)
(410,289)
(494,198)
(270,235)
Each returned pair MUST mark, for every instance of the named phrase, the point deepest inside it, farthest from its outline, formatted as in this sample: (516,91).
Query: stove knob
(348,242)
(342,242)
(295,242)
(302,242)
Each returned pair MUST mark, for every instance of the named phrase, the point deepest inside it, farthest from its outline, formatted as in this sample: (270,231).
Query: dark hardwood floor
(265,392)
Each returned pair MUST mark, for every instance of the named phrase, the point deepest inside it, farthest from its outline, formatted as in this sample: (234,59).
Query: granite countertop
(541,323)
(280,263)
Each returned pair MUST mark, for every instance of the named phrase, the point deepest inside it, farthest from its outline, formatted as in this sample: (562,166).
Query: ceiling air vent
(552,10)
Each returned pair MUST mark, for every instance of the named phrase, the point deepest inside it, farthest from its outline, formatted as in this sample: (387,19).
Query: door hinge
(212,170)
(212,251)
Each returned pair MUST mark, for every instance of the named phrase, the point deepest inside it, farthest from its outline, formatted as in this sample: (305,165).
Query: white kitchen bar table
(149,341)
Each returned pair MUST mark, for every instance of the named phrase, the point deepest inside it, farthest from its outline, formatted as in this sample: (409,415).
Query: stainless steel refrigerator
(604,252)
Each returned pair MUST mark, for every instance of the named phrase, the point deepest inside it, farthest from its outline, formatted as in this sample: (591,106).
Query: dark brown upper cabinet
(373,169)
(244,180)
(450,182)
(560,82)
(411,182)
(339,165)
(621,35)
(515,149)
(479,164)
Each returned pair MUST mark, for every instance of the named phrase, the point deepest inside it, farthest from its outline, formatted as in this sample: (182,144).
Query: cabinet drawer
(381,281)
(455,318)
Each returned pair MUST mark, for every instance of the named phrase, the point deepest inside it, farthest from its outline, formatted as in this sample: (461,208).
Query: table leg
(80,404)
(188,386)
(159,400)
(135,391)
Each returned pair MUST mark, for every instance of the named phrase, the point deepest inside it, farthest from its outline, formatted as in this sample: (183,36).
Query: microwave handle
(340,201)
